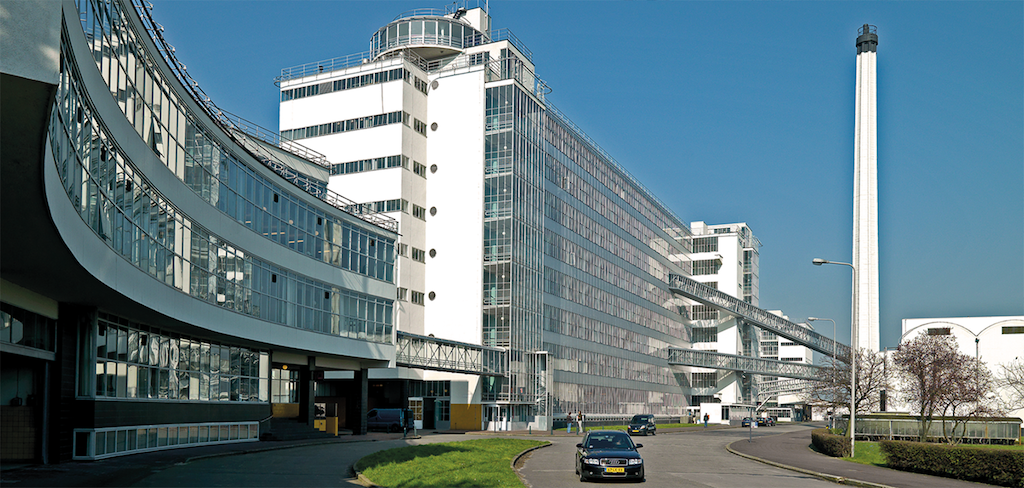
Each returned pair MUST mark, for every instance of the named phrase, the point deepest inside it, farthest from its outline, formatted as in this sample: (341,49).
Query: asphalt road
(676,460)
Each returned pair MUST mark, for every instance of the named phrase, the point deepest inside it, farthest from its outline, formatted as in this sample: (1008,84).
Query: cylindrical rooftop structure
(867,40)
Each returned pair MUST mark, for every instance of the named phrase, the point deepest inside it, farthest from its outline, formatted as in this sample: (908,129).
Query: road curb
(520,455)
(827,477)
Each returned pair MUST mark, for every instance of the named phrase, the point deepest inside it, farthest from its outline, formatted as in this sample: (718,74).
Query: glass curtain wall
(513,239)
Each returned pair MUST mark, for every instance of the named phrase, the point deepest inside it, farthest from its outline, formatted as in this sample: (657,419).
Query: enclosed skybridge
(422,352)
(694,290)
(746,364)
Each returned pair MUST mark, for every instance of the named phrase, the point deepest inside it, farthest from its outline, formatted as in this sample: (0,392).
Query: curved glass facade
(128,214)
(424,31)
(194,154)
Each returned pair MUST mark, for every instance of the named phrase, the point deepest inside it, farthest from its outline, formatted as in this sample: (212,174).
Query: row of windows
(350,83)
(26,328)
(420,127)
(558,173)
(590,296)
(380,206)
(598,399)
(138,223)
(445,32)
(704,334)
(593,264)
(704,380)
(577,221)
(119,441)
(134,362)
(184,145)
(705,244)
(706,267)
(362,165)
(367,122)
(578,150)
(284,386)
(573,360)
(581,327)
(703,312)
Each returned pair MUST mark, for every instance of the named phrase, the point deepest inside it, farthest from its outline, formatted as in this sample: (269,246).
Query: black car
(642,424)
(765,422)
(747,421)
(609,454)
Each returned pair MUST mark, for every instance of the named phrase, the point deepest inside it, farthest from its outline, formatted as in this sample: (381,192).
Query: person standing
(579,422)
(568,423)
(706,417)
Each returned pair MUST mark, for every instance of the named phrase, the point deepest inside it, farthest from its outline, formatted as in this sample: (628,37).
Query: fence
(905,428)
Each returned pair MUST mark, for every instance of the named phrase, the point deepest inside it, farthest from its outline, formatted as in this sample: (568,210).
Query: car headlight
(635,461)
(591,461)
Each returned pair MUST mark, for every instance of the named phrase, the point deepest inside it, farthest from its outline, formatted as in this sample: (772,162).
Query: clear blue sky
(741,112)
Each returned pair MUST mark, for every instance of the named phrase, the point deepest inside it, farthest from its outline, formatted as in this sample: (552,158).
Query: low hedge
(992,466)
(831,444)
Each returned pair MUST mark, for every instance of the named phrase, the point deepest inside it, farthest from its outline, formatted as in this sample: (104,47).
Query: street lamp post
(835,343)
(853,348)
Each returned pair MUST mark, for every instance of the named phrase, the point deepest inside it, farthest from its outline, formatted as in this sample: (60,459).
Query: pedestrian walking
(568,423)
(706,417)
(579,422)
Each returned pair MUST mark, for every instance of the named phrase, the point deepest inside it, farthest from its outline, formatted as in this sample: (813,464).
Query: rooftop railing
(239,133)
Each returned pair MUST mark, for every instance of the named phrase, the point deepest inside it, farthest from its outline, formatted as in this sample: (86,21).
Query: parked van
(387,419)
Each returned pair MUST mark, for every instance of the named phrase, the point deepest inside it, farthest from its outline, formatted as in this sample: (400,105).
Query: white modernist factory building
(426,232)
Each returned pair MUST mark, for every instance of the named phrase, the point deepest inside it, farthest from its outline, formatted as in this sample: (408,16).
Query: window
(284,386)
(1009,329)
(418,255)
(368,122)
(705,244)
(417,297)
(403,294)
(704,380)
(403,249)
(939,331)
(419,212)
(706,267)
(705,334)
(419,169)
(420,127)
(703,312)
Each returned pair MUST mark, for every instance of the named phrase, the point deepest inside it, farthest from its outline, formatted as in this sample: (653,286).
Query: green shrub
(970,463)
(830,444)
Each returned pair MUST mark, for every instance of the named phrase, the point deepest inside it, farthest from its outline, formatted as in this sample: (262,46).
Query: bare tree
(1011,382)
(971,394)
(939,379)
(833,386)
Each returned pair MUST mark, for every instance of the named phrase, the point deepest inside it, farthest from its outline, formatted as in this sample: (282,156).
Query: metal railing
(768,389)
(241,134)
(717,360)
(699,292)
(271,137)
(423,352)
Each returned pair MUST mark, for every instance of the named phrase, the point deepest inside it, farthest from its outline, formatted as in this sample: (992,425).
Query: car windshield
(610,440)
(638,419)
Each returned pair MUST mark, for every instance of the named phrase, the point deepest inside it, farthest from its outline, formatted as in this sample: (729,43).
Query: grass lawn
(475,463)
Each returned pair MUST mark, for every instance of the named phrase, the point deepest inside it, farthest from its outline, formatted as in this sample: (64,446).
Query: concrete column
(364,394)
(307,393)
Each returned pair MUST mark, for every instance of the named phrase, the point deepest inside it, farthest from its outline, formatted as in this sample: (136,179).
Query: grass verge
(466,464)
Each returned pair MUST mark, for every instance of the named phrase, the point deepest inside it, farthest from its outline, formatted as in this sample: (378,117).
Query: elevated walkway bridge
(698,292)
(423,352)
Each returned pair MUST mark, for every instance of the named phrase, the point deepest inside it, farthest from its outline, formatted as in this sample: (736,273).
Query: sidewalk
(792,451)
(126,470)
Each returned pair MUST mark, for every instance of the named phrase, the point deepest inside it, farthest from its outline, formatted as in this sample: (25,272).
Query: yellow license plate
(614,470)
